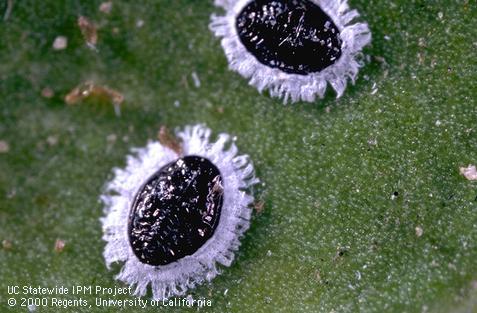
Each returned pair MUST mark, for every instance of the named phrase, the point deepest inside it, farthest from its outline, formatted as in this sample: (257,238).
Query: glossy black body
(295,36)
(176,211)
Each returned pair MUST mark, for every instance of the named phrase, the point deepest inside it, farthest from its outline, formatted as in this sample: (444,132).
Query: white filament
(176,278)
(295,87)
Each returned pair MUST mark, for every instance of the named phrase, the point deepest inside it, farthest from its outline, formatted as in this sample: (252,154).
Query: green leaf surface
(348,184)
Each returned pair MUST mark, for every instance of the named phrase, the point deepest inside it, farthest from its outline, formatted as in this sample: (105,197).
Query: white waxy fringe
(176,278)
(295,87)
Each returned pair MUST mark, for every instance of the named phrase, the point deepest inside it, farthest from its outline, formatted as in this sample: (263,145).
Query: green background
(331,237)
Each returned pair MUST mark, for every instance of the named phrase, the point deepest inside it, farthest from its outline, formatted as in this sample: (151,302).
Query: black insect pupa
(176,211)
(293,48)
(170,219)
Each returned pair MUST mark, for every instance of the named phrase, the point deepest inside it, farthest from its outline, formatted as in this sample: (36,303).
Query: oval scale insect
(295,36)
(175,214)
(176,211)
(294,49)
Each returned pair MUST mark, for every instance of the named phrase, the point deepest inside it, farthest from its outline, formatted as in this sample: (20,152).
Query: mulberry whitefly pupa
(172,217)
(293,48)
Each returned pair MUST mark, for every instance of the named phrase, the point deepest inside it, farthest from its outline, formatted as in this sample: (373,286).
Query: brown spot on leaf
(7,244)
(469,172)
(106,7)
(91,90)
(419,231)
(89,31)
(59,245)
(4,146)
(318,276)
(258,206)
(52,140)
(60,43)
(168,140)
(47,92)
